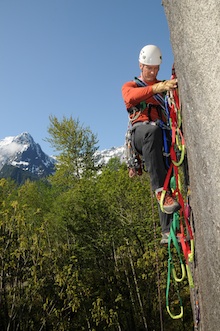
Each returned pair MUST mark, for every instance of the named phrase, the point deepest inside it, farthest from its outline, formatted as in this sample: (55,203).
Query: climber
(144,101)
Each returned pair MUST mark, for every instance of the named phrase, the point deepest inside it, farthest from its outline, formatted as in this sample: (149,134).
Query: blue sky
(70,58)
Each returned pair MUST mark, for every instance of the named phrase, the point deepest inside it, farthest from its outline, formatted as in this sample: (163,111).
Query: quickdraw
(180,226)
(132,158)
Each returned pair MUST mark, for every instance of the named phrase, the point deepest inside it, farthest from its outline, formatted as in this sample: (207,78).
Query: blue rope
(167,110)
(165,144)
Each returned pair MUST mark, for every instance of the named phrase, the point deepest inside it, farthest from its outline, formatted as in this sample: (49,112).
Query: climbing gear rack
(180,226)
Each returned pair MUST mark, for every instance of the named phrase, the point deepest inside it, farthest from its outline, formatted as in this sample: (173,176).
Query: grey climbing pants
(148,141)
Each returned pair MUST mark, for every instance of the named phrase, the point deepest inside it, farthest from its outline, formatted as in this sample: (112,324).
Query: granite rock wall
(195,38)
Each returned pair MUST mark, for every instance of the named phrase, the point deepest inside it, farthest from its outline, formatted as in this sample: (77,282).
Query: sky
(70,58)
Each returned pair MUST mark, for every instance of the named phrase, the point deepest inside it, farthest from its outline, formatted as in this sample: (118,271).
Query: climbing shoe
(170,205)
(165,237)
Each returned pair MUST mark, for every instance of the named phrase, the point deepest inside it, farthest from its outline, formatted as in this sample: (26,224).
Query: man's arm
(132,94)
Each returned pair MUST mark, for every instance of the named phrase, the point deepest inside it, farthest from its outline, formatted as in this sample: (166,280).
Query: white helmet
(150,55)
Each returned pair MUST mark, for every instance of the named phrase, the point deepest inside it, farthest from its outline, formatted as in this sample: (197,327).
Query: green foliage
(76,146)
(83,252)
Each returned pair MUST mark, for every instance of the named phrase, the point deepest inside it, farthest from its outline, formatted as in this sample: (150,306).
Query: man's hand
(167,85)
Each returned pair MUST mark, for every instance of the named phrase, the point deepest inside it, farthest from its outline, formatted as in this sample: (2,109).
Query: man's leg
(148,141)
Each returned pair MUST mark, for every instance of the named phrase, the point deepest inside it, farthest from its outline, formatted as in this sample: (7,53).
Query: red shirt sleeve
(132,94)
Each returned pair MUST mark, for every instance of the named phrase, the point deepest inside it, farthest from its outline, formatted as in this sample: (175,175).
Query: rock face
(195,37)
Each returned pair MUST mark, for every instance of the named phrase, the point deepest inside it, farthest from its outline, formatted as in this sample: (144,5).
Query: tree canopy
(81,251)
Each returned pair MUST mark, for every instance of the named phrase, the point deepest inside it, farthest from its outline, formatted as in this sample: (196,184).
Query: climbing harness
(163,122)
(143,105)
(134,160)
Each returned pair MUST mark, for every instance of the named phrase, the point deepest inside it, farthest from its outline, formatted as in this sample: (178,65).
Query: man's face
(149,72)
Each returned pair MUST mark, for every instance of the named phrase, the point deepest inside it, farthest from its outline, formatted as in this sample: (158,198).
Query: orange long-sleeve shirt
(133,95)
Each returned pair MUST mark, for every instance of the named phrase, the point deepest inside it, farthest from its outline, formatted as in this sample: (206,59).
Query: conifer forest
(81,250)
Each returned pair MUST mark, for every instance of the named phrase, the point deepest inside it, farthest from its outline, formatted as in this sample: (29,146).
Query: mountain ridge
(23,153)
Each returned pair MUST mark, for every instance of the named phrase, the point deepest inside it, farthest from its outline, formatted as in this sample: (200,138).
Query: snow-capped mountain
(22,152)
(102,157)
